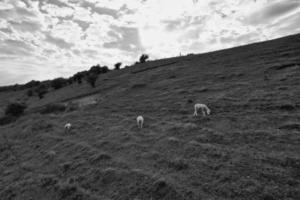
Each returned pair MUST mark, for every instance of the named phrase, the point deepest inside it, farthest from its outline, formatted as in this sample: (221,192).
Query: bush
(58,83)
(143,58)
(118,65)
(15,109)
(29,93)
(91,79)
(104,69)
(69,81)
(78,76)
(41,91)
(97,69)
(32,83)
(7,120)
(53,108)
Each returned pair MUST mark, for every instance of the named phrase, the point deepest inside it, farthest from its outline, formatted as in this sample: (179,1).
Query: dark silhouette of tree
(41,91)
(91,79)
(70,80)
(143,58)
(104,69)
(31,84)
(78,76)
(95,69)
(58,83)
(118,65)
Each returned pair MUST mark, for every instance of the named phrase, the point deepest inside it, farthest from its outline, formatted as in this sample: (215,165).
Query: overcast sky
(42,39)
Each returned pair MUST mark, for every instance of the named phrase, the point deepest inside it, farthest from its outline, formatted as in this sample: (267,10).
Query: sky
(44,39)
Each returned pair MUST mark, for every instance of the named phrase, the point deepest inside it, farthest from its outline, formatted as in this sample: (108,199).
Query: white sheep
(205,110)
(140,121)
(68,127)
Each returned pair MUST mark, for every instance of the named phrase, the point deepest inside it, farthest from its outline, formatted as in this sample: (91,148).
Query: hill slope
(248,148)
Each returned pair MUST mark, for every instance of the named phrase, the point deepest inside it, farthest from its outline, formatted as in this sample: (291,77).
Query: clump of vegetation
(118,65)
(143,58)
(91,79)
(79,76)
(12,112)
(53,108)
(7,120)
(32,83)
(15,109)
(97,69)
(29,93)
(41,91)
(58,83)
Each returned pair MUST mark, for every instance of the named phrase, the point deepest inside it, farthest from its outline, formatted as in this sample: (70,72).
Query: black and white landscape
(97,100)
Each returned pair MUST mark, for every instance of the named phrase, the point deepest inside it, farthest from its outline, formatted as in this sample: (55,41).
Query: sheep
(68,127)
(140,121)
(205,110)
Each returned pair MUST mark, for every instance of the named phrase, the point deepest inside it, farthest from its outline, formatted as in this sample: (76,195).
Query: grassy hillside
(248,148)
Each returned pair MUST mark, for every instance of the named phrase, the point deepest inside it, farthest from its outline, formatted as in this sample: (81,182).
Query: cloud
(83,25)
(58,42)
(26,26)
(127,39)
(59,37)
(15,48)
(57,11)
(272,11)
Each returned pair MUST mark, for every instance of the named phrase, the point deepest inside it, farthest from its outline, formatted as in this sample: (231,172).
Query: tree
(95,69)
(143,58)
(32,83)
(41,91)
(104,69)
(58,83)
(91,79)
(118,65)
(78,76)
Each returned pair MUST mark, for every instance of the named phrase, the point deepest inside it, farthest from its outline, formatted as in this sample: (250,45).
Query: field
(248,148)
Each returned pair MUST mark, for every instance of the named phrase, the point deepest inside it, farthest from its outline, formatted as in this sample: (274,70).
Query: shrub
(104,69)
(95,69)
(58,83)
(69,81)
(7,120)
(29,93)
(118,65)
(32,83)
(143,58)
(53,108)
(91,79)
(41,91)
(78,76)
(15,109)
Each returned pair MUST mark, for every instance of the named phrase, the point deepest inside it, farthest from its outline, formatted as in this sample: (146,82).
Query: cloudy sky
(42,39)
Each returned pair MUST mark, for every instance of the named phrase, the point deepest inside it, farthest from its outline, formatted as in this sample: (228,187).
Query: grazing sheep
(205,110)
(140,121)
(68,127)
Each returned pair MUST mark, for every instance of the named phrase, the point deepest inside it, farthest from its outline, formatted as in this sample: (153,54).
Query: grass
(248,148)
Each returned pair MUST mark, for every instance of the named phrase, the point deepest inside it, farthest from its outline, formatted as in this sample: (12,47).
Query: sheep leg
(195,112)
(203,112)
